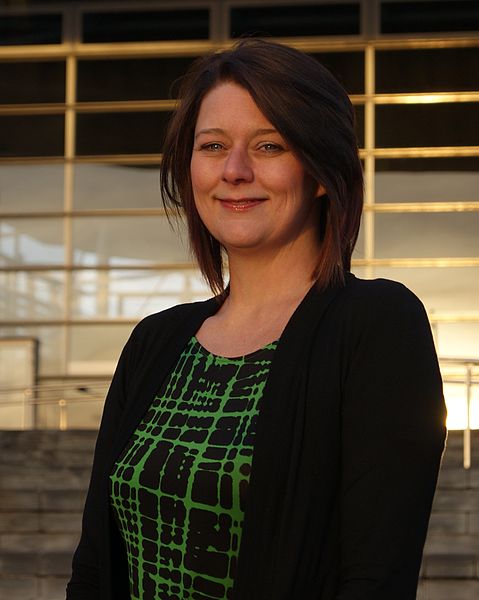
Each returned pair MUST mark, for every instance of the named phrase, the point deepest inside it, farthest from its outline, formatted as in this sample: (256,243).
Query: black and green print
(179,488)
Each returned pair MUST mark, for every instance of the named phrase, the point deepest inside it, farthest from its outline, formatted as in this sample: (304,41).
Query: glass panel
(30,82)
(30,29)
(134,294)
(126,241)
(437,70)
(148,78)
(31,241)
(359,110)
(442,289)
(427,180)
(457,340)
(129,26)
(95,349)
(25,188)
(456,401)
(427,235)
(121,133)
(32,295)
(420,16)
(359,248)
(116,186)
(427,125)
(347,67)
(32,135)
(51,346)
(18,373)
(296,20)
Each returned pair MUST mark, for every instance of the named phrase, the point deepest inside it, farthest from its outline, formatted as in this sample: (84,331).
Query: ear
(320,191)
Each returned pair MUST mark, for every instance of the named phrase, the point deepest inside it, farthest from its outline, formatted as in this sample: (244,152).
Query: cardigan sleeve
(87,565)
(393,431)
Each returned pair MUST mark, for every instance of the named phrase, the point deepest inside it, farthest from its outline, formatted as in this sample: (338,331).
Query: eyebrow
(219,131)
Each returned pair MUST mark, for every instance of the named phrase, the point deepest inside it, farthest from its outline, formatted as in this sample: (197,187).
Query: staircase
(450,569)
(43,479)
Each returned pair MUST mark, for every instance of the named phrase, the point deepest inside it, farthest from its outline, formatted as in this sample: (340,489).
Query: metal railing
(55,395)
(463,371)
(26,404)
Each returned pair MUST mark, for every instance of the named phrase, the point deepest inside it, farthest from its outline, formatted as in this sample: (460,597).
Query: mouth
(240,204)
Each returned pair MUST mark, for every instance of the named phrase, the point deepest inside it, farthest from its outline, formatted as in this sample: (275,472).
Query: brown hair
(310,109)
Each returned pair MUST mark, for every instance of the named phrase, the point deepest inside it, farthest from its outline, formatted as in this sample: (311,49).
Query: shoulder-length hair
(310,109)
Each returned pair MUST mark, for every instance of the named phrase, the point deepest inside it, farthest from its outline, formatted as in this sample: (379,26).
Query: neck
(259,282)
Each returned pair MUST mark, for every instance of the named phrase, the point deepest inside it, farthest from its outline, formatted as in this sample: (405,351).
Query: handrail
(468,381)
(80,391)
(59,394)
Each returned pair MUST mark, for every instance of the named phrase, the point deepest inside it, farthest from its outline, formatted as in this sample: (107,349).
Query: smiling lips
(240,204)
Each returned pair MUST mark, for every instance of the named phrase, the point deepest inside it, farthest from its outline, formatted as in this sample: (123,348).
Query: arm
(392,441)
(87,561)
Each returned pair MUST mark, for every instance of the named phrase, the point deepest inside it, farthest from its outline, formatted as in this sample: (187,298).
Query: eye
(212,146)
(271,148)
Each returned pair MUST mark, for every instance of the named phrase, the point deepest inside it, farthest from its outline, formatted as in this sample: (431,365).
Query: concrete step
(448,589)
(447,566)
(61,500)
(41,522)
(43,481)
(33,588)
(30,564)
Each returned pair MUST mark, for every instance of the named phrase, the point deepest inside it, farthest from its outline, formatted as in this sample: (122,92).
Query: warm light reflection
(455,395)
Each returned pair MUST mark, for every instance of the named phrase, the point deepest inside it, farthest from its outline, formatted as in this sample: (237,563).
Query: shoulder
(378,306)
(379,297)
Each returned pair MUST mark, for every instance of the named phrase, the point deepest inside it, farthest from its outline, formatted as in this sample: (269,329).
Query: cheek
(195,175)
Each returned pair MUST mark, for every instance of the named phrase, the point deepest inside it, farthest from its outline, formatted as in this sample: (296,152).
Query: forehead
(229,104)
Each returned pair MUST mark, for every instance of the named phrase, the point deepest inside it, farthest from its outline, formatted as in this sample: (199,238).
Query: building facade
(86,250)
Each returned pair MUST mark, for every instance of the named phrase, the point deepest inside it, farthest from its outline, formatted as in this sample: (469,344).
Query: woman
(281,440)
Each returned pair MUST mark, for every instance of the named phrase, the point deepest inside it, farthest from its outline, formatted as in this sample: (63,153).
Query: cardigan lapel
(277,451)
(167,347)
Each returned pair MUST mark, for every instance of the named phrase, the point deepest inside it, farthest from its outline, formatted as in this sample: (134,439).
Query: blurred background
(86,251)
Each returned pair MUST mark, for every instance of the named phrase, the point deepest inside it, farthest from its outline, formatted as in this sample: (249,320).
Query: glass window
(427,70)
(442,289)
(448,124)
(32,295)
(51,346)
(31,241)
(24,82)
(359,110)
(18,373)
(95,349)
(296,20)
(148,78)
(126,240)
(31,135)
(134,294)
(27,188)
(457,340)
(116,186)
(427,235)
(347,67)
(359,248)
(427,179)
(420,16)
(135,26)
(30,29)
(121,133)
(455,393)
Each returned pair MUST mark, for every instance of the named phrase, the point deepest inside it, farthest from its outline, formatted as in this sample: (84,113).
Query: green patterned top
(179,488)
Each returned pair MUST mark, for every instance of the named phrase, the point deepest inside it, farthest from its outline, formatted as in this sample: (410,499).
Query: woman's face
(250,190)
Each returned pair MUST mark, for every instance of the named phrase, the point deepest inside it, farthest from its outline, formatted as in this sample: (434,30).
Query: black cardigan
(349,441)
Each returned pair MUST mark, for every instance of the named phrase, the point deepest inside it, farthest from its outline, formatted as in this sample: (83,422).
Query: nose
(237,167)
